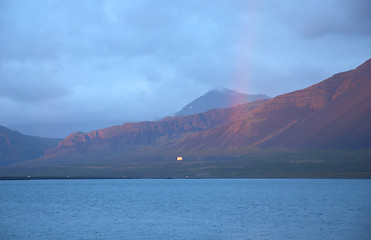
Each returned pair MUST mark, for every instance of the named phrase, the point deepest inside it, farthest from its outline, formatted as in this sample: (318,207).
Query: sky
(68,65)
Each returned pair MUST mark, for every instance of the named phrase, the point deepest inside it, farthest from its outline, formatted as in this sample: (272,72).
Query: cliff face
(166,131)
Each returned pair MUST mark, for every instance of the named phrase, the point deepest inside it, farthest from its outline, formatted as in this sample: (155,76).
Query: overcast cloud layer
(89,64)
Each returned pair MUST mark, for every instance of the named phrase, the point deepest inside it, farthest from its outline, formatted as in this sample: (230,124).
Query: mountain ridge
(144,133)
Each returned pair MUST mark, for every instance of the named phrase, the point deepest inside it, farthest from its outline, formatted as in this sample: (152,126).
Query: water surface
(186,209)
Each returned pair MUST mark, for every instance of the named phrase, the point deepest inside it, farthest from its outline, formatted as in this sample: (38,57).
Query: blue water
(186,209)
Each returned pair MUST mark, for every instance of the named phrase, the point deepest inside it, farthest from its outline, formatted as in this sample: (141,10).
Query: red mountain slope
(334,113)
(345,122)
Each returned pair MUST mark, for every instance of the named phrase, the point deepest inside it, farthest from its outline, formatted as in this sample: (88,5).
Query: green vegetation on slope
(273,163)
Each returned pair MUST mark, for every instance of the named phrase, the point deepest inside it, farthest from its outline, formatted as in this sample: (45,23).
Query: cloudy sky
(68,65)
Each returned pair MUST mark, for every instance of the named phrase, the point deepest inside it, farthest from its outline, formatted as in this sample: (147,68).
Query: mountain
(333,114)
(218,98)
(16,147)
(320,131)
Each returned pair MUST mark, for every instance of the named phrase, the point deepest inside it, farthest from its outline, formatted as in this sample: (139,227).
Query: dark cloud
(29,82)
(314,19)
(111,61)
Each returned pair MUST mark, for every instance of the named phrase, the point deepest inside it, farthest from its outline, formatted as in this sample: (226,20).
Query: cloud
(117,61)
(314,19)
(29,82)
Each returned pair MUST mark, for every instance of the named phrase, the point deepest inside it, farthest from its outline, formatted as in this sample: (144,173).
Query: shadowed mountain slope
(15,147)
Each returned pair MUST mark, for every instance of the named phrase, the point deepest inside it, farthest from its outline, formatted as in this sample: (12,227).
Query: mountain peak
(218,98)
(222,90)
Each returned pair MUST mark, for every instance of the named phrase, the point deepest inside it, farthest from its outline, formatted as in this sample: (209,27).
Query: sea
(170,209)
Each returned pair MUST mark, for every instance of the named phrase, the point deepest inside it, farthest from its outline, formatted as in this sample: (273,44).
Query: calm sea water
(186,209)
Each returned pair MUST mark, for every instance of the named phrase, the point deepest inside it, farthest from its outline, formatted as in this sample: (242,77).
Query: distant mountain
(218,98)
(15,147)
(58,129)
